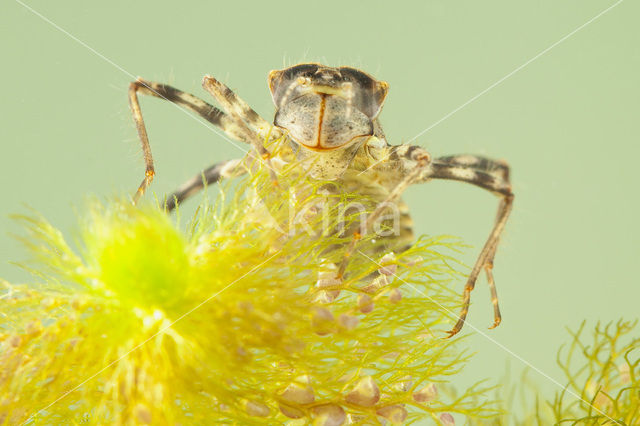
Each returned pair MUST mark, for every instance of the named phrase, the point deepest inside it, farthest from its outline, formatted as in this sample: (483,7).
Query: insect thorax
(346,172)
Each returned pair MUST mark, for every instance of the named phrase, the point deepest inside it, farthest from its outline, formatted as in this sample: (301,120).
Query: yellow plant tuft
(233,318)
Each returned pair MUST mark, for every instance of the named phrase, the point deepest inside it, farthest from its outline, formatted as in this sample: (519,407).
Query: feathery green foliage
(602,383)
(605,373)
(227,321)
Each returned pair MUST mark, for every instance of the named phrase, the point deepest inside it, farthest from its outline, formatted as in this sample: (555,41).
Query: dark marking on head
(368,94)
(326,108)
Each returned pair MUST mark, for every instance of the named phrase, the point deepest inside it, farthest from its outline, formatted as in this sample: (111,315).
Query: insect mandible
(330,115)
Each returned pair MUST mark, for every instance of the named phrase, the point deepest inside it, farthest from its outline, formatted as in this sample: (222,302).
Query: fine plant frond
(224,321)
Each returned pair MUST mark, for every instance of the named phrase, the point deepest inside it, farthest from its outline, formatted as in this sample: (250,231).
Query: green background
(567,123)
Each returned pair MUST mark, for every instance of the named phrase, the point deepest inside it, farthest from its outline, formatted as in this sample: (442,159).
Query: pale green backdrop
(567,122)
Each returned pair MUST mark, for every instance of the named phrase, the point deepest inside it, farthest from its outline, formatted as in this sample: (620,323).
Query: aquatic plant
(231,318)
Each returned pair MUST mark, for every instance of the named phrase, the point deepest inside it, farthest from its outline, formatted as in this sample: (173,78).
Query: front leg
(210,113)
(406,165)
(208,176)
(494,177)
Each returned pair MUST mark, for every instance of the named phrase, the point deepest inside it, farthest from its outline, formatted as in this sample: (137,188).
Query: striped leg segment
(481,164)
(230,124)
(245,117)
(210,175)
(192,103)
(492,176)
(234,105)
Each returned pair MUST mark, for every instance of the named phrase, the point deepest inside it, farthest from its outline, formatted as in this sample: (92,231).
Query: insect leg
(213,174)
(492,176)
(235,105)
(245,117)
(210,113)
(487,165)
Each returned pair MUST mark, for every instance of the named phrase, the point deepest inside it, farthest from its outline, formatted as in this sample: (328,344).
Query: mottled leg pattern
(492,176)
(234,105)
(481,164)
(213,174)
(245,117)
(231,125)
